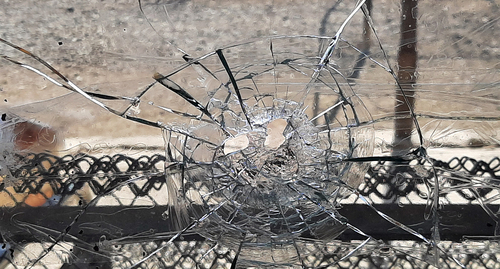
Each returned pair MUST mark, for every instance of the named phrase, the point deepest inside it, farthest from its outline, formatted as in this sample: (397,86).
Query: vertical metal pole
(407,65)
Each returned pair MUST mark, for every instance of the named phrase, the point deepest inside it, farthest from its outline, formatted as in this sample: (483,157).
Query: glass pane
(209,134)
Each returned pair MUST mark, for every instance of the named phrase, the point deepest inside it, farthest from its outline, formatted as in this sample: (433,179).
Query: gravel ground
(111,47)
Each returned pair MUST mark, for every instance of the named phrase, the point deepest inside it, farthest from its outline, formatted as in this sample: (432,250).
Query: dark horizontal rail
(455,222)
(140,223)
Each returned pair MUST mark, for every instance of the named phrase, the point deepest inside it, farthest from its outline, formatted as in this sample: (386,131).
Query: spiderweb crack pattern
(266,144)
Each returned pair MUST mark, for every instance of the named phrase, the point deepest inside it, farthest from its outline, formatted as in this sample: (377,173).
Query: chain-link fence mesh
(87,240)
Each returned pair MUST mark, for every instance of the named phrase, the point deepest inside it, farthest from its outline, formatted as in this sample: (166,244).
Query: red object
(34,137)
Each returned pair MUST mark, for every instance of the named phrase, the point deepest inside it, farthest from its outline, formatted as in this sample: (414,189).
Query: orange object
(32,137)
(28,137)
(39,199)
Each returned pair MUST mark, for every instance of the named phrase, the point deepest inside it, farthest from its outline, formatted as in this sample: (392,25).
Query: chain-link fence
(121,234)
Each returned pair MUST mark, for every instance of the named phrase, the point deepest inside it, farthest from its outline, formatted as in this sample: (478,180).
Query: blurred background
(115,48)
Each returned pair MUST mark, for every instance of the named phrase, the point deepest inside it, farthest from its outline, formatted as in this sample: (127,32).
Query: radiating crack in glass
(261,154)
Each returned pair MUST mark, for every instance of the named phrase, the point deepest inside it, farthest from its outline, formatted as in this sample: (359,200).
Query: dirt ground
(112,48)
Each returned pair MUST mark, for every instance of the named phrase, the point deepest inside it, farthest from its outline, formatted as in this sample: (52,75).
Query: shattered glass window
(267,134)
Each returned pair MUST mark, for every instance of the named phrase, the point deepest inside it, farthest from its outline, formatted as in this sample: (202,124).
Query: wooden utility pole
(407,76)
